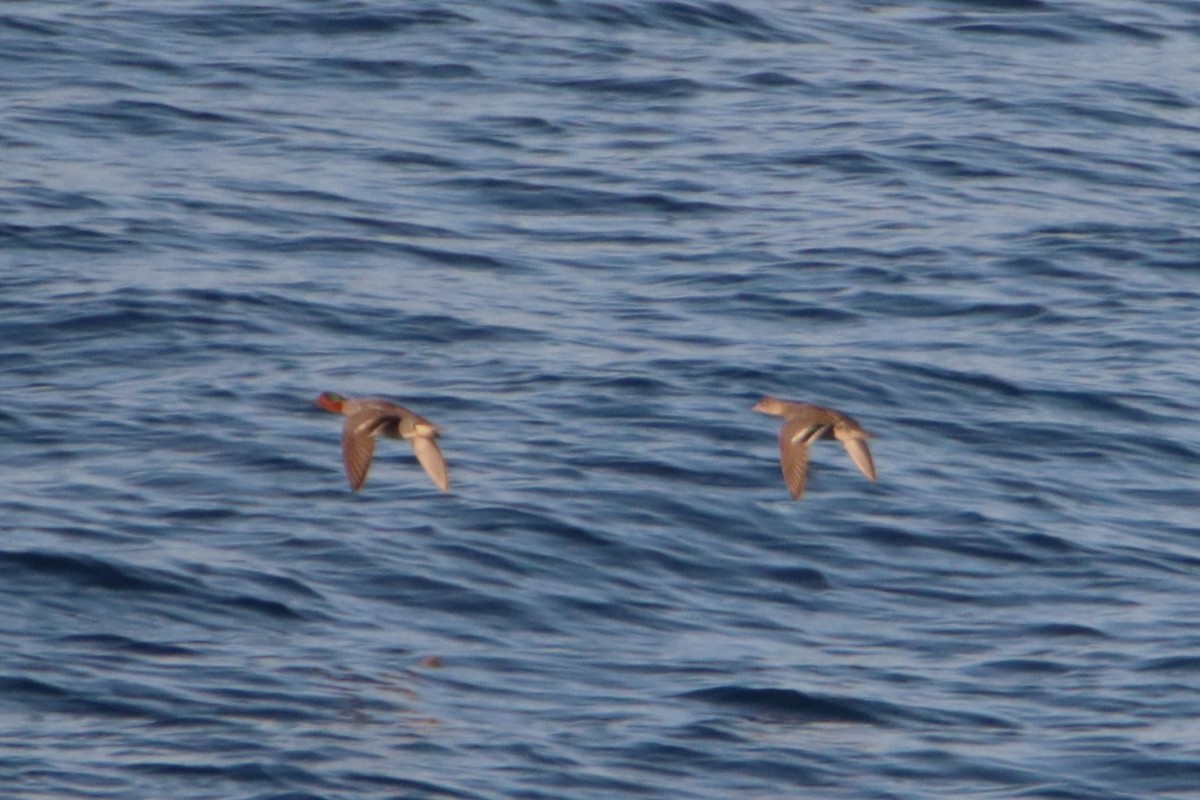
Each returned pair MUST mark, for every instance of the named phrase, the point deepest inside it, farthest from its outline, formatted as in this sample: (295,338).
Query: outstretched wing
(857,448)
(358,444)
(431,458)
(795,437)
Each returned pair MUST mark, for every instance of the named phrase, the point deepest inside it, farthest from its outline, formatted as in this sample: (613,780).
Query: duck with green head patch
(367,418)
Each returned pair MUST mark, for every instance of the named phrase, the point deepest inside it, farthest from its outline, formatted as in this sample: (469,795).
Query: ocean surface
(584,238)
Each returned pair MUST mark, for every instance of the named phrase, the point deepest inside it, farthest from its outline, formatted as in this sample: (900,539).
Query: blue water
(584,238)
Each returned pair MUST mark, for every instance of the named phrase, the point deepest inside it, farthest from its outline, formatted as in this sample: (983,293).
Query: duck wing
(358,443)
(431,459)
(860,455)
(795,437)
